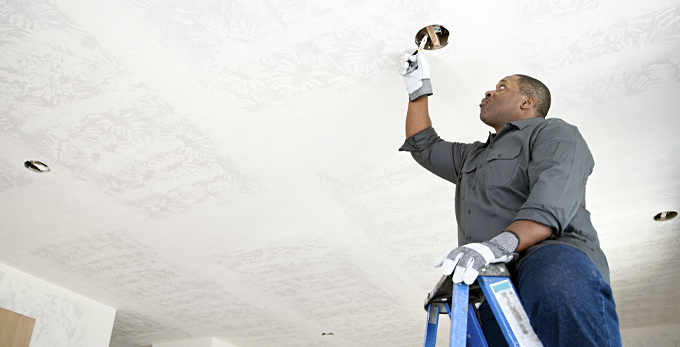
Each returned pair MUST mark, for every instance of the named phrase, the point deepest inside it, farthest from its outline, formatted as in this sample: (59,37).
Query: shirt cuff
(426,89)
(539,216)
(420,141)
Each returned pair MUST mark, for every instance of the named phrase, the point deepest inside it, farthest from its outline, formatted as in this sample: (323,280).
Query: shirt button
(468,238)
(499,155)
(475,187)
(468,211)
(480,166)
(491,146)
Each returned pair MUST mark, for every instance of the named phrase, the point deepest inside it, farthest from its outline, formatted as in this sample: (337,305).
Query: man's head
(516,97)
(535,89)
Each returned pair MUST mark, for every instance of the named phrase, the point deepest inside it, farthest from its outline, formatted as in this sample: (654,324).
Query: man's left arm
(529,233)
(560,165)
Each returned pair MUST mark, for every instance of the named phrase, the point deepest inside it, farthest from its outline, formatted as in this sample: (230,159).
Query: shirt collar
(523,123)
(489,139)
(519,124)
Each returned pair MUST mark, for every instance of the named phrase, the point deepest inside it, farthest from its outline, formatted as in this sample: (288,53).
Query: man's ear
(527,103)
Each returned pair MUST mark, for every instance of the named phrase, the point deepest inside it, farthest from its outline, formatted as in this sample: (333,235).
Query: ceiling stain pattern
(49,61)
(223,43)
(11,177)
(70,98)
(150,283)
(134,329)
(411,226)
(632,55)
(592,39)
(104,125)
(167,165)
(322,283)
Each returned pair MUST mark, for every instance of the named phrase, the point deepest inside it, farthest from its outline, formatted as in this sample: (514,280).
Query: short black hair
(535,89)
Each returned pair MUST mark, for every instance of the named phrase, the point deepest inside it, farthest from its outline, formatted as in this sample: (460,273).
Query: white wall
(63,318)
(655,336)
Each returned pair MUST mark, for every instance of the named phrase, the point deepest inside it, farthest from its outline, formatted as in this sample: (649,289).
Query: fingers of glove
(450,264)
(409,58)
(450,254)
(441,259)
(465,272)
(458,274)
(408,67)
(470,276)
(403,70)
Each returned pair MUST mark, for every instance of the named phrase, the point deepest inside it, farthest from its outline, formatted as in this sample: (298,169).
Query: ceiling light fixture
(665,216)
(327,334)
(437,37)
(36,166)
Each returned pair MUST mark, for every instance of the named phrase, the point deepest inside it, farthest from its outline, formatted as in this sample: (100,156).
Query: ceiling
(230,168)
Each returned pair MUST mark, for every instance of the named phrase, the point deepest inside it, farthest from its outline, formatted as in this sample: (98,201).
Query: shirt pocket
(501,164)
(466,178)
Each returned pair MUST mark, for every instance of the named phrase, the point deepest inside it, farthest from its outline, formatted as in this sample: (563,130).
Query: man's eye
(502,86)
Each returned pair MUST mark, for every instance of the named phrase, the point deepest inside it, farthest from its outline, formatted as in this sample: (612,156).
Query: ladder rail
(458,332)
(465,329)
(474,330)
(509,312)
(432,322)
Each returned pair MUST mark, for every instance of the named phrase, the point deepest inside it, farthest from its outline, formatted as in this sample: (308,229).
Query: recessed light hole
(437,37)
(665,216)
(36,166)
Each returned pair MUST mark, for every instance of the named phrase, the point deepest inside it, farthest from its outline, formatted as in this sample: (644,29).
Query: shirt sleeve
(559,168)
(444,159)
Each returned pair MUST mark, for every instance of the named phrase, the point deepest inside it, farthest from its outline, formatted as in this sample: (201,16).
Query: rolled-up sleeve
(558,171)
(440,157)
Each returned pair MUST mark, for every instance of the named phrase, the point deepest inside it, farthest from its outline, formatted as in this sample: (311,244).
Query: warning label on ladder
(514,313)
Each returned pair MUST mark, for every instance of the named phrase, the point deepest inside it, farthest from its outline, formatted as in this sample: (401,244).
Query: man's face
(501,105)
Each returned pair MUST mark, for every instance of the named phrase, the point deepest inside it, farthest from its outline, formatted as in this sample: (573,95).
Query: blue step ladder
(457,300)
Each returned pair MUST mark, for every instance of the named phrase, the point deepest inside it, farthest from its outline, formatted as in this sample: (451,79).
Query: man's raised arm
(419,88)
(417,116)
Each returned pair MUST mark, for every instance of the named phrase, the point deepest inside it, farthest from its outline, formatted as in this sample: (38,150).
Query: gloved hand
(468,260)
(416,72)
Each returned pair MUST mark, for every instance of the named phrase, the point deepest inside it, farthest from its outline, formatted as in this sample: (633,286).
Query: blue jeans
(566,300)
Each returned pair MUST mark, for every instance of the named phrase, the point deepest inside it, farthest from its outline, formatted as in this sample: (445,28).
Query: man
(522,191)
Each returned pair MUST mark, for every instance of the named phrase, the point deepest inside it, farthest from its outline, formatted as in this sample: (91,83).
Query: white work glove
(468,260)
(416,72)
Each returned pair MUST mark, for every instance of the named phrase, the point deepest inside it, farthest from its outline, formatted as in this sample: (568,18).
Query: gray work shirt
(533,169)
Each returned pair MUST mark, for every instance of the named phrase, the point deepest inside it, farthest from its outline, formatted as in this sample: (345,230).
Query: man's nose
(489,94)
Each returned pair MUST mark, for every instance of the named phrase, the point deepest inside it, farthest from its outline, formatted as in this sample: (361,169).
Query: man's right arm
(417,116)
(442,158)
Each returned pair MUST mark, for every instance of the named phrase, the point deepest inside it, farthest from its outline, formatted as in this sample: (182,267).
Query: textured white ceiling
(230,168)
